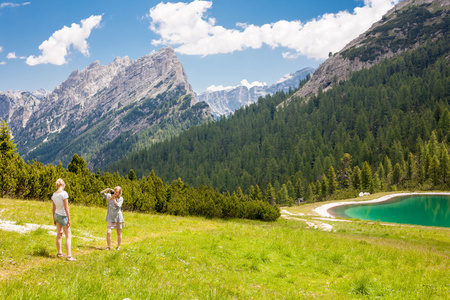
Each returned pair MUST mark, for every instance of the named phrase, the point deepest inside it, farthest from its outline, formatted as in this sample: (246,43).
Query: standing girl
(61,218)
(114,216)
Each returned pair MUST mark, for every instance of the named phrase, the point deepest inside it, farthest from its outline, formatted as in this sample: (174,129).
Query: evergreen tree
(381,172)
(346,171)
(434,170)
(366,177)
(258,194)
(7,146)
(396,174)
(270,194)
(388,169)
(444,164)
(299,189)
(410,166)
(132,175)
(332,181)
(356,180)
(324,186)
(283,196)
(376,182)
(78,165)
(310,191)
(291,189)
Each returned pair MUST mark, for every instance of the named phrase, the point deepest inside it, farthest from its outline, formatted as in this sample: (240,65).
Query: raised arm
(106,190)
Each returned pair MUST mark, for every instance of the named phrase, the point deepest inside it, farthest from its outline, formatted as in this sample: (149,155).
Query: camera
(111,192)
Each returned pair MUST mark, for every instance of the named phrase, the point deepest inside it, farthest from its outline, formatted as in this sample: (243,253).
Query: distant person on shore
(61,218)
(114,217)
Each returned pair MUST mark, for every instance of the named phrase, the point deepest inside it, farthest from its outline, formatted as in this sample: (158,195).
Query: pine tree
(388,169)
(332,181)
(270,194)
(410,166)
(356,180)
(132,175)
(346,172)
(310,192)
(7,146)
(366,177)
(258,194)
(444,164)
(299,193)
(434,170)
(396,174)
(283,196)
(324,186)
(78,165)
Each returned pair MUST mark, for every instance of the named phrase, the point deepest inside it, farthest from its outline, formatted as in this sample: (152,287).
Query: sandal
(107,248)
(70,258)
(60,255)
(118,249)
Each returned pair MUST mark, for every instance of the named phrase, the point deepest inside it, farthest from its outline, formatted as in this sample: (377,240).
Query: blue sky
(219,42)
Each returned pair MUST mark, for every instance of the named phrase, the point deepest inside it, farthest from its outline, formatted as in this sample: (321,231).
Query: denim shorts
(61,219)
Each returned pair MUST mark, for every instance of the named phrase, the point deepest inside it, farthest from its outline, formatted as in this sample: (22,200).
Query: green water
(427,210)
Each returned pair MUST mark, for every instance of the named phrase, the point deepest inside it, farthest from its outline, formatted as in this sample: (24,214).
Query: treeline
(25,180)
(396,114)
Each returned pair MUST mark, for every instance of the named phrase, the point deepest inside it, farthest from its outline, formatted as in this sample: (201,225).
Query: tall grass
(167,257)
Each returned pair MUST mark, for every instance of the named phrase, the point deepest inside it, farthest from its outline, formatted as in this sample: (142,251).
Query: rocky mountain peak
(125,97)
(384,39)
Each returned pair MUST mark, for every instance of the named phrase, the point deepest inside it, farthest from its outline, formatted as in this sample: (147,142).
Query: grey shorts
(61,219)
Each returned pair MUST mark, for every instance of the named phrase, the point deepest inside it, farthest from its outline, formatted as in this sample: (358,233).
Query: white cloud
(214,88)
(244,82)
(2,63)
(185,26)
(249,85)
(55,49)
(1,49)
(10,4)
(12,55)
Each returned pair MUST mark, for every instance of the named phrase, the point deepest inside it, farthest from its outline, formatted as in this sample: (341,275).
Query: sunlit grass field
(168,257)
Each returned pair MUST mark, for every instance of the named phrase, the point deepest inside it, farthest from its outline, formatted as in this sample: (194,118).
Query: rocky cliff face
(226,101)
(389,37)
(100,104)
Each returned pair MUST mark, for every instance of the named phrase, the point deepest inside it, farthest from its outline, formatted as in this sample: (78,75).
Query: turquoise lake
(426,210)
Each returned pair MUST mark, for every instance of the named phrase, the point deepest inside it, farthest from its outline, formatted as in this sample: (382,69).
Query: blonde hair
(59,183)
(119,189)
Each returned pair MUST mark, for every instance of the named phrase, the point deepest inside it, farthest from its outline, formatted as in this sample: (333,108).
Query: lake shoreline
(324,210)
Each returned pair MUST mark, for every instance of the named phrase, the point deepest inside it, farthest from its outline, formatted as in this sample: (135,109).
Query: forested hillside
(36,181)
(385,128)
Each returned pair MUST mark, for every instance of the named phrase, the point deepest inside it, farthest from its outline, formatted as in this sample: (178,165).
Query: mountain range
(105,112)
(225,101)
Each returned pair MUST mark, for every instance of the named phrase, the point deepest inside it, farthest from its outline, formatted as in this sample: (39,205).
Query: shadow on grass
(41,252)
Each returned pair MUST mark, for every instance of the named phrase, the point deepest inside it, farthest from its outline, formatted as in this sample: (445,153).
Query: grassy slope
(167,257)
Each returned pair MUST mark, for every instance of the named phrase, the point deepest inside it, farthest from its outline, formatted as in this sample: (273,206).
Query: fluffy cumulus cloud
(56,48)
(185,26)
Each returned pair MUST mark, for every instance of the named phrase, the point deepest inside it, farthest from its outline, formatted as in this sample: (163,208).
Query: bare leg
(68,234)
(119,237)
(59,233)
(108,237)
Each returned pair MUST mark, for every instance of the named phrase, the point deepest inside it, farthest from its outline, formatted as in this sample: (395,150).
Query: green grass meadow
(169,257)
